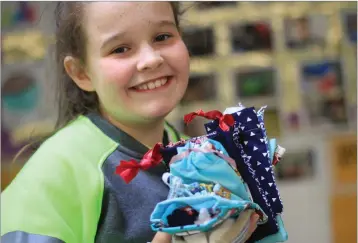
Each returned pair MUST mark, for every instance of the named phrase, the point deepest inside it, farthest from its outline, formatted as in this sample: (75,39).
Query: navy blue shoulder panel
(23,237)
(126,208)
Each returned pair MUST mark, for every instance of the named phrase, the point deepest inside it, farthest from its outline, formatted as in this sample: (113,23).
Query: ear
(78,73)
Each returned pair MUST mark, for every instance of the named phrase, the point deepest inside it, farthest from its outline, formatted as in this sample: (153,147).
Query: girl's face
(136,59)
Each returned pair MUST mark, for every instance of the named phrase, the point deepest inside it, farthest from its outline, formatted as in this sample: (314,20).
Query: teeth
(152,85)
(158,83)
(143,86)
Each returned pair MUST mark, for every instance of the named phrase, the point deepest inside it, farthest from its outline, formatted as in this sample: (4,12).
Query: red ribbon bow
(129,169)
(225,121)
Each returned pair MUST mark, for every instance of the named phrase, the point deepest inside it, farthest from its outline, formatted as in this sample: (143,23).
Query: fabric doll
(245,139)
(203,176)
(227,231)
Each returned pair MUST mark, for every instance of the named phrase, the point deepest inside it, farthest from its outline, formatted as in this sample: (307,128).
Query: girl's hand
(253,225)
(226,232)
(230,229)
(162,237)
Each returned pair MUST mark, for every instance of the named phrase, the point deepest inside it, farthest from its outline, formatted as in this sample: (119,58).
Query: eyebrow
(121,35)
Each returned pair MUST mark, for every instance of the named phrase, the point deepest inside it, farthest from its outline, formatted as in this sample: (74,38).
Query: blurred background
(298,58)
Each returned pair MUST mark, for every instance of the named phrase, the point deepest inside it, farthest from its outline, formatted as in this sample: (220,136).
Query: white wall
(307,202)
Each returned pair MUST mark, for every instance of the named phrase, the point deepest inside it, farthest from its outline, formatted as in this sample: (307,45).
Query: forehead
(105,17)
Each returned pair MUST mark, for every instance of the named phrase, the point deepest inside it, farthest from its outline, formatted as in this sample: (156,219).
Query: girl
(123,67)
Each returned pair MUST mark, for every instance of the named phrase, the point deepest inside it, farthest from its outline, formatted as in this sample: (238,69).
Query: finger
(253,225)
(218,232)
(178,239)
(196,238)
(254,219)
(236,229)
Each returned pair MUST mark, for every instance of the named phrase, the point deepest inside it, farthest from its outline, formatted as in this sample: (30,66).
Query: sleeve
(50,201)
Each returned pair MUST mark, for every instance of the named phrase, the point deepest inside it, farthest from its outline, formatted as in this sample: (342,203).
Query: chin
(158,111)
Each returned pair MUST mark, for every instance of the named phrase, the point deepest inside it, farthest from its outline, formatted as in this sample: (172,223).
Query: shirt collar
(121,137)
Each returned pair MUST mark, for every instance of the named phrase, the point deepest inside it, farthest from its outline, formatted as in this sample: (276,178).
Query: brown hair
(71,41)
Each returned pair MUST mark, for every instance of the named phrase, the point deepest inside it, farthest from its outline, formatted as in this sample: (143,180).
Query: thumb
(253,225)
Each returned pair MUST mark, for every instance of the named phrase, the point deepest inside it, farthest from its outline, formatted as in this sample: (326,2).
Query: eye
(162,37)
(120,50)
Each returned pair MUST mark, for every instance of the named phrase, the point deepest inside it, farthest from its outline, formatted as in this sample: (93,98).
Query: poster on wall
(255,83)
(350,26)
(323,94)
(27,103)
(200,41)
(253,36)
(296,165)
(306,31)
(18,14)
(24,106)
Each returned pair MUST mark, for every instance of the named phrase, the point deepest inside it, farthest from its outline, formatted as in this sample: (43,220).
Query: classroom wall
(313,199)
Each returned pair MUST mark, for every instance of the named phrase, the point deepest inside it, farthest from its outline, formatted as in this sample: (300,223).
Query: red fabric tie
(129,169)
(225,121)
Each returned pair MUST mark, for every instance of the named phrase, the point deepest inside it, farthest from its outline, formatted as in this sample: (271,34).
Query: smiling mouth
(152,85)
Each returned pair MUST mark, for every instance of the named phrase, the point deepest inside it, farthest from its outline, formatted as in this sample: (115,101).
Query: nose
(149,59)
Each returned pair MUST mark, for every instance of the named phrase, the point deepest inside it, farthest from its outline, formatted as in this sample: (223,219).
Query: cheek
(180,62)
(181,51)
(115,73)
(180,59)
(112,79)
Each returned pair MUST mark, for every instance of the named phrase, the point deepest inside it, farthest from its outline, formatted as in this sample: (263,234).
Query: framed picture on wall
(24,106)
(253,36)
(19,15)
(297,165)
(323,93)
(20,96)
(201,87)
(200,41)
(306,31)
(255,83)
(350,26)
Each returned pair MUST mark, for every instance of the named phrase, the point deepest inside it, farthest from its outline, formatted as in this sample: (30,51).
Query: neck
(148,134)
